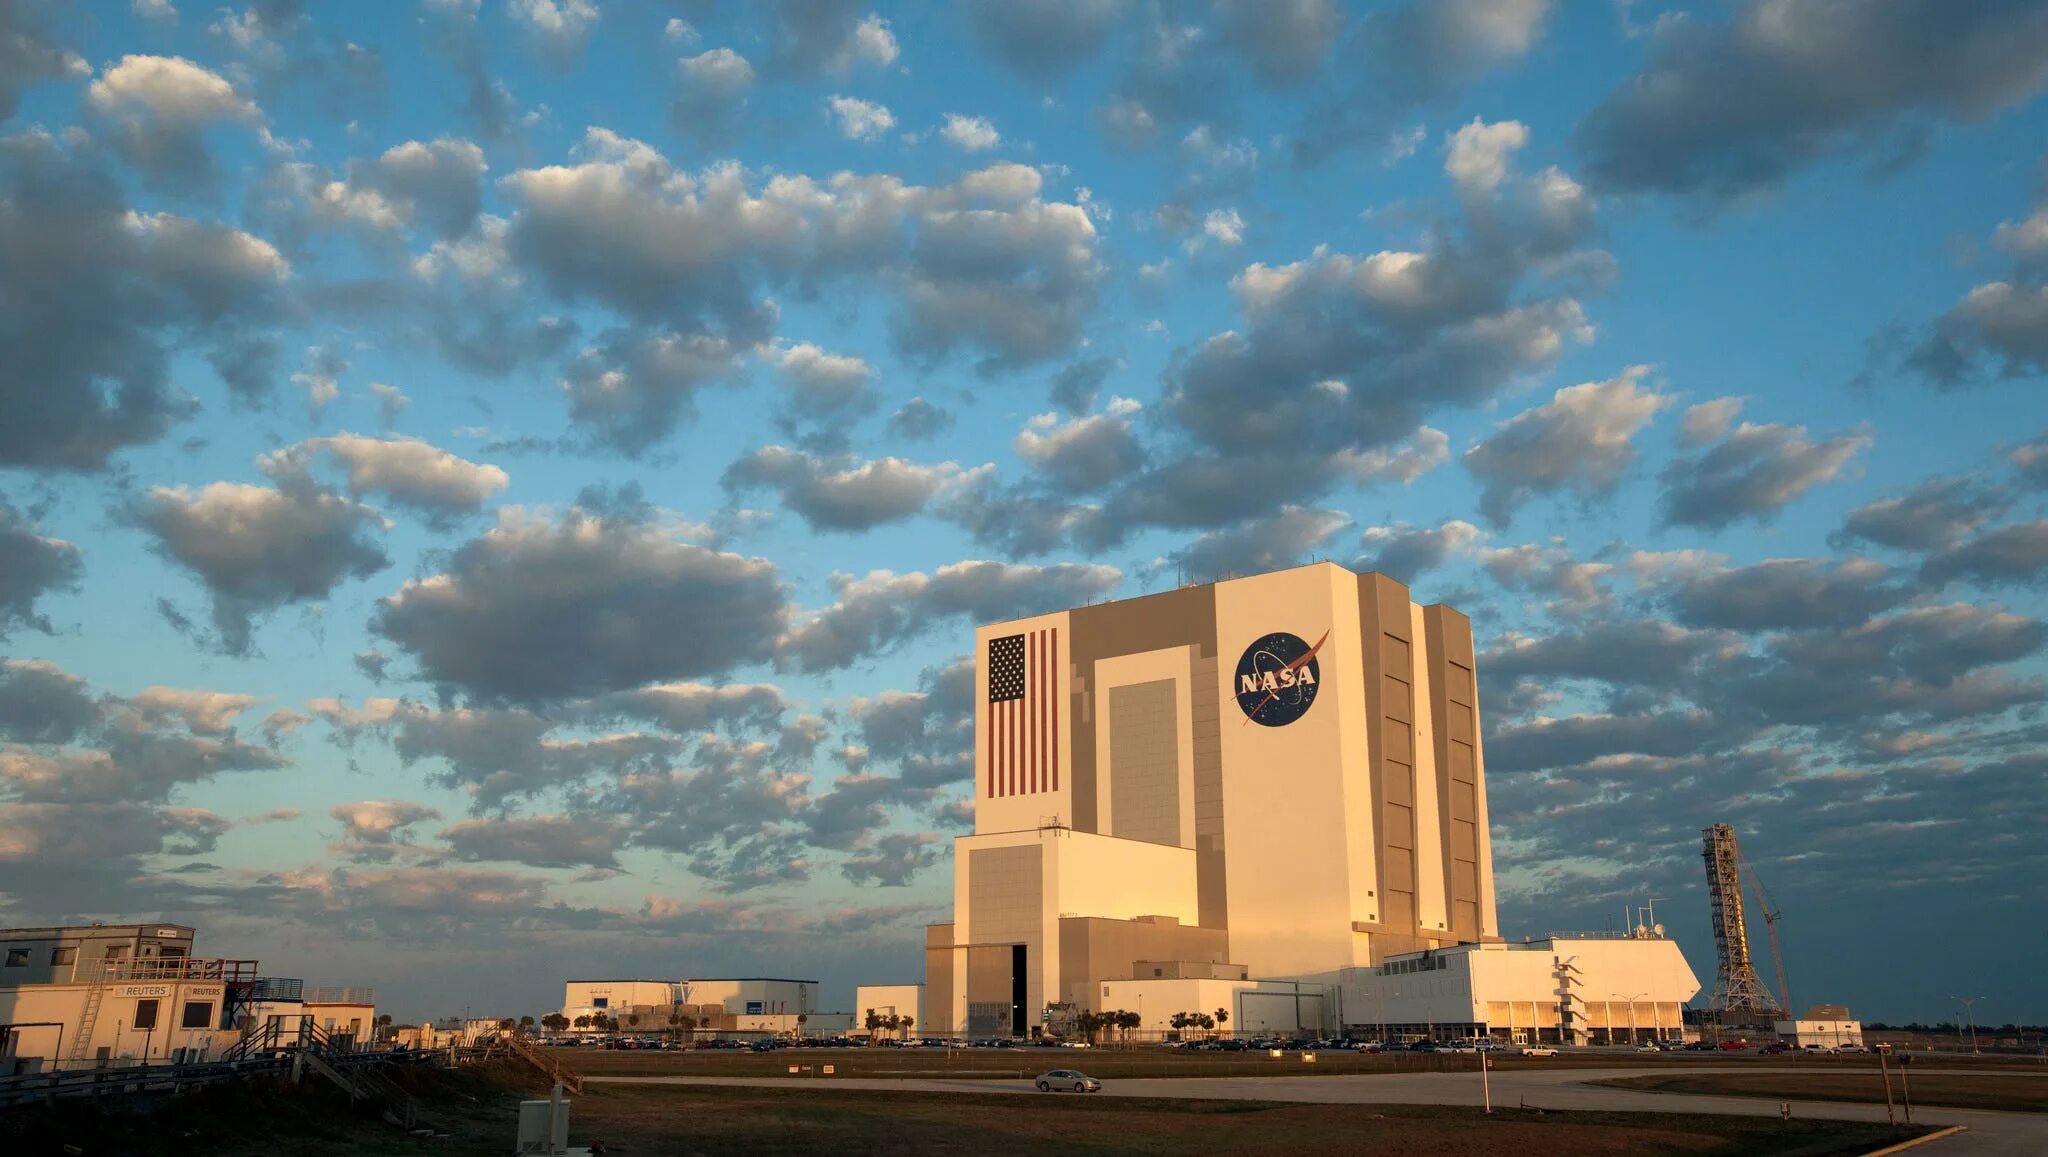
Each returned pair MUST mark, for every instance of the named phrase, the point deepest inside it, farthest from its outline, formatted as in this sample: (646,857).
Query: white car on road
(1538,1051)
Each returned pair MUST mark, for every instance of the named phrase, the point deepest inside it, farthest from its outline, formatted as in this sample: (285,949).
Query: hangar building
(1270,777)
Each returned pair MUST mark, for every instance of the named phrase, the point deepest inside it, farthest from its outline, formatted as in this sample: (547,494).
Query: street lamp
(1631,1012)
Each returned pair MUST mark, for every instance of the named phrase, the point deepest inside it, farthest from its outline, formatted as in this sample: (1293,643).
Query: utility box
(544,1125)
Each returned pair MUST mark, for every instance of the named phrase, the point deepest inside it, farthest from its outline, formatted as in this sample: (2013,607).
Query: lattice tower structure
(1737,989)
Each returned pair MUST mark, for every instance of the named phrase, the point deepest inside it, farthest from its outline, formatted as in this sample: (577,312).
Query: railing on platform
(175,968)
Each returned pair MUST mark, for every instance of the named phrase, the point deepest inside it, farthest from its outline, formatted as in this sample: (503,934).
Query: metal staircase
(568,1078)
(355,1073)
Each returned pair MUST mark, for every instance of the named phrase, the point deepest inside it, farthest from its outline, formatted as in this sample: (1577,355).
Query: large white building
(1260,790)
(1594,988)
(903,1001)
(711,1005)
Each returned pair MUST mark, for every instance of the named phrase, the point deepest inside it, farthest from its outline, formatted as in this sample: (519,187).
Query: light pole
(1631,1011)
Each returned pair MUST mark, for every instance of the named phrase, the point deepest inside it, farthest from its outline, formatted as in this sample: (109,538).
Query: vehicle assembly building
(1251,791)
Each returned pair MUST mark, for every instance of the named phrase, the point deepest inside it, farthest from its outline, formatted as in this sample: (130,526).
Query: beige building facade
(1277,777)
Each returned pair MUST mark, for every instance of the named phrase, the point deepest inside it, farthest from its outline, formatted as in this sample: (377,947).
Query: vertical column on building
(1468,860)
(1387,655)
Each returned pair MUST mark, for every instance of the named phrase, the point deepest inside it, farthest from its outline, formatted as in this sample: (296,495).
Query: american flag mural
(1022,736)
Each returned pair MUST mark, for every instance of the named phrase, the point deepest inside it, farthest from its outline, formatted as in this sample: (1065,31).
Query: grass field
(473,1110)
(2017,1092)
(1107,1063)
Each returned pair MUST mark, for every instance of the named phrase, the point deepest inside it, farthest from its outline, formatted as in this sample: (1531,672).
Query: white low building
(882,1001)
(1825,1025)
(1248,1007)
(1564,989)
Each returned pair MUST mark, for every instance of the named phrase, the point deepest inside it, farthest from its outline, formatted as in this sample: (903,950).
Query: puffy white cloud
(874,612)
(1752,473)
(259,548)
(860,120)
(409,472)
(559,28)
(1477,156)
(973,134)
(543,607)
(1580,442)
(839,493)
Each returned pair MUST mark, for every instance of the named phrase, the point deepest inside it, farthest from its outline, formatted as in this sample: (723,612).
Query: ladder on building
(81,1041)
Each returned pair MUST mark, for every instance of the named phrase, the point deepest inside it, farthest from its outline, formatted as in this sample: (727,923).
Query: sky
(493,493)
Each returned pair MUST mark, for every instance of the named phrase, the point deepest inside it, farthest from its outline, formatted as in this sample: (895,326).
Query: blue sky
(494,491)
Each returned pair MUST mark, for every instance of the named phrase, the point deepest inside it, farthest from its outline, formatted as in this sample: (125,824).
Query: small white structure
(1593,988)
(886,1000)
(1825,1025)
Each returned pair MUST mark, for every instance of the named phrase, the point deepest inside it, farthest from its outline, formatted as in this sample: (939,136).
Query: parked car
(1776,1050)
(1734,1046)
(1067,1080)
(1649,1047)
(1851,1049)
(1371,1047)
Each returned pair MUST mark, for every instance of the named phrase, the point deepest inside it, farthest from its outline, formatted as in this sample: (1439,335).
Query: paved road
(1992,1134)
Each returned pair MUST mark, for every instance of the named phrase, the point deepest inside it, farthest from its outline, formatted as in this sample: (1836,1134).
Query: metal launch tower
(1738,993)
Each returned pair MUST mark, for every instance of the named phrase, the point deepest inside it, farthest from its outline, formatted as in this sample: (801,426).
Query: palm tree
(525,1026)
(1222,1016)
(1129,1021)
(908,1024)
(582,1021)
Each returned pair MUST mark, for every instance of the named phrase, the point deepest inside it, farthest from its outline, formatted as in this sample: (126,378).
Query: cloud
(2010,555)
(927,735)
(1707,421)
(1477,156)
(1785,594)
(202,712)
(1043,39)
(156,109)
(391,402)
(438,183)
(860,120)
(375,831)
(118,292)
(1580,442)
(872,613)
(710,88)
(1282,539)
(1752,473)
(557,28)
(826,388)
(27,57)
(1405,553)
(1724,109)
(983,264)
(1084,454)
(1285,40)
(554,841)
(541,607)
(814,37)
(37,565)
(633,388)
(838,492)
(1074,387)
(408,472)
(1931,515)
(257,549)
(1414,53)
(1575,586)
(894,859)
(41,703)
(971,134)
(1345,352)
(919,421)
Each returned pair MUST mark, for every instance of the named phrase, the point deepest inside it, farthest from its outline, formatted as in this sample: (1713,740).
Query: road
(1991,1134)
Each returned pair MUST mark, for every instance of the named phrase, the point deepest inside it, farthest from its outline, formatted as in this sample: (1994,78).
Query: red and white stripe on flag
(1022,736)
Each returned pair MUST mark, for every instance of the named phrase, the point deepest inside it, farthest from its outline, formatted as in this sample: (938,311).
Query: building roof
(745,979)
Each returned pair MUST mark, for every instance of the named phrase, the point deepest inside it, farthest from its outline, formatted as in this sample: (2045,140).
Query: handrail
(569,1078)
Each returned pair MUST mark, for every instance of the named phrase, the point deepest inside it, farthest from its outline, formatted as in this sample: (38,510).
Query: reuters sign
(1277,678)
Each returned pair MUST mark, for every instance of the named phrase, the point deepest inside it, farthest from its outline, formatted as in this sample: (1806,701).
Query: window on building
(600,1002)
(145,1015)
(66,955)
(198,1014)
(17,958)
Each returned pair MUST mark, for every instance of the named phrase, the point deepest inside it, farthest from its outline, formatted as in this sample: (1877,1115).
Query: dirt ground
(2016,1092)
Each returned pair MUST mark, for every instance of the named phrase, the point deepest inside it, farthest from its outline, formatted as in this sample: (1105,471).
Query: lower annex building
(1256,795)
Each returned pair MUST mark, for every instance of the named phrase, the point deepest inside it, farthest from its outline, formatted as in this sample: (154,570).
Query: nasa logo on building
(1277,678)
